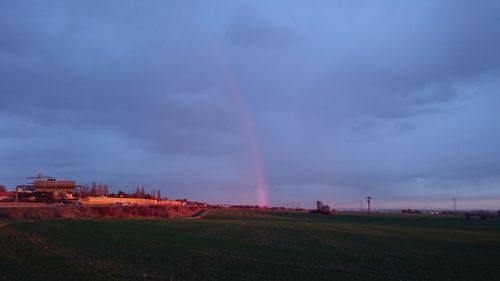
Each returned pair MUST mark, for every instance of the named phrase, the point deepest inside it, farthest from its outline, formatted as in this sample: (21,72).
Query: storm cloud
(346,99)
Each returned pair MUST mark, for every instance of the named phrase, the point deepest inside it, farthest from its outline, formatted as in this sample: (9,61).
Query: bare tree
(93,189)
(102,190)
(84,190)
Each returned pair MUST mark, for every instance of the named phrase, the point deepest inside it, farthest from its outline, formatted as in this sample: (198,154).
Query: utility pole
(368,199)
(455,204)
(361,201)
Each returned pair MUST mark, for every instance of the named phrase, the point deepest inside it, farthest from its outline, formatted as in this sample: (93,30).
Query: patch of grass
(253,245)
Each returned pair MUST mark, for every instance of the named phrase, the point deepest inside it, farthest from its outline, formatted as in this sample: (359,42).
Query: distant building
(45,189)
(58,188)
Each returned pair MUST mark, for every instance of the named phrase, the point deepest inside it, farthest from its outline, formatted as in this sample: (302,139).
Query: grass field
(253,245)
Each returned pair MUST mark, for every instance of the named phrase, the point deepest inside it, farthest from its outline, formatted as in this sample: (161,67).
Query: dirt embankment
(111,212)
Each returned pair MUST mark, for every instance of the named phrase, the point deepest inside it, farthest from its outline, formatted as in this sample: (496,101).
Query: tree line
(103,190)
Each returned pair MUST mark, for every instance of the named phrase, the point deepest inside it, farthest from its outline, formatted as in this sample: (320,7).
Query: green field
(253,245)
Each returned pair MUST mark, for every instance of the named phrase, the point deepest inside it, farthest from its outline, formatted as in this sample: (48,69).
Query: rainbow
(252,135)
(248,123)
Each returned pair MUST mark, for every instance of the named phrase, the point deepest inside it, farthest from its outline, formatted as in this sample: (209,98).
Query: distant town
(49,190)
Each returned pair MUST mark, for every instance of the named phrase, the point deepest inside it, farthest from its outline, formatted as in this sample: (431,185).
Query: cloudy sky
(255,101)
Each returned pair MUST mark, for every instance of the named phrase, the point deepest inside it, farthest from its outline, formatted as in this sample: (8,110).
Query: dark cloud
(346,98)
(249,29)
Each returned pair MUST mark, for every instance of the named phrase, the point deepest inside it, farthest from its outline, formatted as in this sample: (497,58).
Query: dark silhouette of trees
(84,191)
(93,189)
(98,189)
(3,188)
(103,190)
(321,209)
(121,194)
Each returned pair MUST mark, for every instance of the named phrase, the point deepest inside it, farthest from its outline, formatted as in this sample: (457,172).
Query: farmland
(252,245)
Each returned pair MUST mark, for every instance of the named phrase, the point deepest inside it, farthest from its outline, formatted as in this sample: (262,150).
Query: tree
(319,205)
(121,194)
(322,208)
(102,190)
(158,194)
(93,189)
(3,188)
(84,190)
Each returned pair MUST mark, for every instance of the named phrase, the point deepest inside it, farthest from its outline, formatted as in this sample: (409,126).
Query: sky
(257,102)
